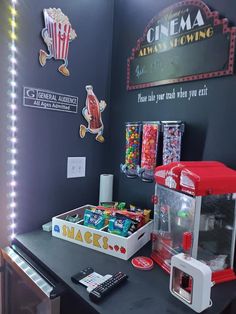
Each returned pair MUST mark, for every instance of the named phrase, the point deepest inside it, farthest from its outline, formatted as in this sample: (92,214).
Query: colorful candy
(119,224)
(93,219)
(172,135)
(149,145)
(133,139)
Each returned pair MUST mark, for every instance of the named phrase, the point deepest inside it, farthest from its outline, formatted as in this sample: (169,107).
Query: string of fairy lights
(12,114)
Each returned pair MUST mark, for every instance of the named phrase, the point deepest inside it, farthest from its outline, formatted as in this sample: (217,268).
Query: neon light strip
(13,117)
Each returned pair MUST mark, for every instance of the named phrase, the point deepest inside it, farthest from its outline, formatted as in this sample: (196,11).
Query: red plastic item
(187,241)
(164,265)
(149,145)
(154,199)
(197,178)
(142,262)
(223,275)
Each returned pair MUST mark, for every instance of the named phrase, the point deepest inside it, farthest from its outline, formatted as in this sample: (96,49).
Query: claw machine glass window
(196,197)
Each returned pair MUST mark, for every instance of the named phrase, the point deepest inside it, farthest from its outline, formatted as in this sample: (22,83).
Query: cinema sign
(186,41)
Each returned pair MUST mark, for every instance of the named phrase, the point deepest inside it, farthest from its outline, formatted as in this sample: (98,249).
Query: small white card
(92,280)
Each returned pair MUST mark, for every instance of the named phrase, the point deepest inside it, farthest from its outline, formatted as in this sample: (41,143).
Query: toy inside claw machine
(196,197)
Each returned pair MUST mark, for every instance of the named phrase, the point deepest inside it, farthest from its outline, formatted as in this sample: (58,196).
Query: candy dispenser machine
(172,138)
(196,197)
(132,150)
(150,138)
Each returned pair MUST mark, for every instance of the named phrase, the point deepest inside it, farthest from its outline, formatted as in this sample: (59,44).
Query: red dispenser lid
(197,177)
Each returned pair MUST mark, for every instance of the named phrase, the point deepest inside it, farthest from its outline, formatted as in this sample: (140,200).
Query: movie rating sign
(186,41)
(44,99)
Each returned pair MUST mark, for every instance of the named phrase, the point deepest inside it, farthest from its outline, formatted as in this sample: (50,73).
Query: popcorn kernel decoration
(57,35)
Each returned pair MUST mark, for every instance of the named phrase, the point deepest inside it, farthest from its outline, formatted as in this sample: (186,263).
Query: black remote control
(104,288)
(83,273)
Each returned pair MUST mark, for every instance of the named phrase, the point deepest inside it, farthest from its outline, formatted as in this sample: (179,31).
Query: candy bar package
(109,204)
(93,219)
(119,224)
(138,217)
(118,205)
(172,138)
(73,218)
(146,212)
(105,212)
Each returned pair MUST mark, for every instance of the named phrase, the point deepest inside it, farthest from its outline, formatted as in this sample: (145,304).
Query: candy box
(99,240)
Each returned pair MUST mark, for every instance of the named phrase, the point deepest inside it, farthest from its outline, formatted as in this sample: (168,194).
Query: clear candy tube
(149,149)
(172,138)
(132,151)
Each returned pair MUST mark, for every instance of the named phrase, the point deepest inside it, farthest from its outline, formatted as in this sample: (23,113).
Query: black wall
(46,138)
(210,120)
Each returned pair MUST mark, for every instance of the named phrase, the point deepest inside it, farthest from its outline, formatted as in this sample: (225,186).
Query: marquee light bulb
(12,22)
(13,162)
(13,226)
(13,117)
(13,60)
(13,10)
(13,173)
(13,139)
(13,107)
(13,48)
(13,151)
(13,183)
(13,83)
(13,128)
(13,72)
(13,215)
(12,35)
(13,235)
(12,194)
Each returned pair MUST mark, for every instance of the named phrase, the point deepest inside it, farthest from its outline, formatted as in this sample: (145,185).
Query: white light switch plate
(76,167)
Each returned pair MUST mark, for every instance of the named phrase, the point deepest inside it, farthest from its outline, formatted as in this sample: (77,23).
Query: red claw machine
(196,197)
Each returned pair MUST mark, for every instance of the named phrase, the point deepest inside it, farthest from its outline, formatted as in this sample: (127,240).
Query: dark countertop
(144,292)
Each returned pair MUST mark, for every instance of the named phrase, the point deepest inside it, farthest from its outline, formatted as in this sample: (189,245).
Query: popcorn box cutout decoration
(100,240)
(57,34)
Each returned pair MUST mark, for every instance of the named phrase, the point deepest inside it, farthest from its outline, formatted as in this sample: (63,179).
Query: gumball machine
(151,130)
(198,198)
(132,149)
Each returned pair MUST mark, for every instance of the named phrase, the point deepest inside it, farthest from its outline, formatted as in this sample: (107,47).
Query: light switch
(76,167)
